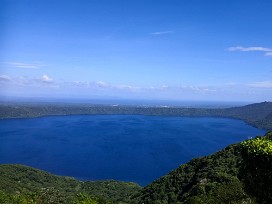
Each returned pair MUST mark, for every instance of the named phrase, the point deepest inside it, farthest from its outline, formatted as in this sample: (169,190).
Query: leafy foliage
(83,198)
(257,147)
(256,169)
(120,191)
(47,196)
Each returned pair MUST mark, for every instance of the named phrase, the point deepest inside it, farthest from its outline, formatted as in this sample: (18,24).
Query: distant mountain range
(258,114)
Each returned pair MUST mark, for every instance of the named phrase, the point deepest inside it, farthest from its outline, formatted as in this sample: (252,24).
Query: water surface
(122,147)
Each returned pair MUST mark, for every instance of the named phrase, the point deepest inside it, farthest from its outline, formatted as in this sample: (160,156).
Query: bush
(256,168)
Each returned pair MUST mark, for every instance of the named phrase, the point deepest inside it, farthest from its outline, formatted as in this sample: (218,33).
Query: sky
(137,49)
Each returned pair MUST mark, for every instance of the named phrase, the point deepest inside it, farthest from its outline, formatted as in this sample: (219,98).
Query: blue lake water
(122,147)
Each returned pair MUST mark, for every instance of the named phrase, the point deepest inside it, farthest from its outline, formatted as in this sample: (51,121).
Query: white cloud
(184,88)
(200,89)
(5,78)
(268,51)
(263,84)
(36,65)
(248,49)
(46,79)
(162,32)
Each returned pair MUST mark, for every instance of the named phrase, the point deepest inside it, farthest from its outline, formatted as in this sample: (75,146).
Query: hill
(212,179)
(24,180)
(258,114)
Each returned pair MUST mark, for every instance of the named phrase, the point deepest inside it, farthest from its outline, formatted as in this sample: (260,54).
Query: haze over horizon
(145,49)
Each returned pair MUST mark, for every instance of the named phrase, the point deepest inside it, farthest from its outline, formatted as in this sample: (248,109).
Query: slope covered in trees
(258,114)
(30,183)
(211,179)
(228,176)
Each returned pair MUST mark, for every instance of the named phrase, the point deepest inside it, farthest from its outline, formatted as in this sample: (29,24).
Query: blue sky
(137,49)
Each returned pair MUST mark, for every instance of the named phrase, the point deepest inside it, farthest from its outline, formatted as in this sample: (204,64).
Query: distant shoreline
(258,115)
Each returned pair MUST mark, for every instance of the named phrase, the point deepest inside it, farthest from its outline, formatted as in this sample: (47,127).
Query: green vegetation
(256,168)
(240,173)
(261,146)
(49,196)
(26,183)
(259,114)
(211,179)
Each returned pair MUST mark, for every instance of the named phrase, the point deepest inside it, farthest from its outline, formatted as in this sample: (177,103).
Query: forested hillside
(33,183)
(258,114)
(211,179)
(228,176)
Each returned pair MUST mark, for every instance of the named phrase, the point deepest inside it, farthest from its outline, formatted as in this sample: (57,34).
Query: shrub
(256,168)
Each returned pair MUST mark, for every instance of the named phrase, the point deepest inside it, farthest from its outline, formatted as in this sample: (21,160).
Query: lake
(122,147)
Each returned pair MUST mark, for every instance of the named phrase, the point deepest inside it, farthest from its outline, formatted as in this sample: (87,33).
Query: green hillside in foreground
(29,182)
(239,174)
(217,178)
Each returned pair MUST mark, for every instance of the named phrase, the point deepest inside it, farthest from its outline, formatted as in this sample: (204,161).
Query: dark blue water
(122,147)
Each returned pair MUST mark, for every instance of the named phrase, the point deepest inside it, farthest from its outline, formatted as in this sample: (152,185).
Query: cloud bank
(46,85)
